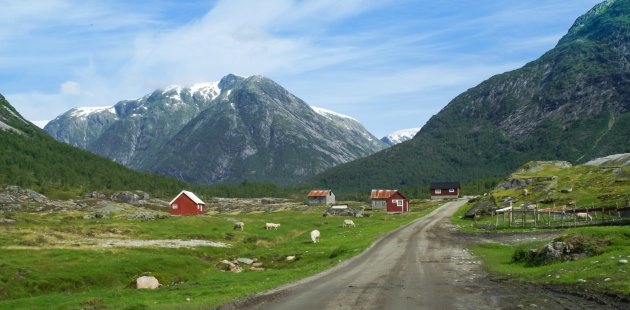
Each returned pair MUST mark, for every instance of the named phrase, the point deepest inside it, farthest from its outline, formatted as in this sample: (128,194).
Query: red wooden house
(187,203)
(440,190)
(389,199)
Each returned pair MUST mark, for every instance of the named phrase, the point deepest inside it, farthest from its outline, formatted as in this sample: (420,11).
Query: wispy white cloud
(356,56)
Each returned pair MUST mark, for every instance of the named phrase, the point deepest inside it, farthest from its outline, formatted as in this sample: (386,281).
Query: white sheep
(347,223)
(239,225)
(269,226)
(315,236)
(584,215)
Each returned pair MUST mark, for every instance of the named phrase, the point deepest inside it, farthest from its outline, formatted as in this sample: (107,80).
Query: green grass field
(38,271)
(603,273)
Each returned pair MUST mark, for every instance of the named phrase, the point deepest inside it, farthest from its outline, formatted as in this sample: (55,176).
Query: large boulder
(481,207)
(557,251)
(126,197)
(18,194)
(147,282)
(350,211)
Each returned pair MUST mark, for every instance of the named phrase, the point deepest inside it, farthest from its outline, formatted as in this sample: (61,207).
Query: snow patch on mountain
(83,112)
(329,113)
(400,136)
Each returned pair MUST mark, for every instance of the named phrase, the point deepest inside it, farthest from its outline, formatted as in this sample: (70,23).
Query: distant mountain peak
(400,136)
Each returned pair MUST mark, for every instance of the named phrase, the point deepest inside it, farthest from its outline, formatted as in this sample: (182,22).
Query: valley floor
(424,265)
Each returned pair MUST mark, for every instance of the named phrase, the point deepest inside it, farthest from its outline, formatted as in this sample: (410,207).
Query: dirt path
(420,266)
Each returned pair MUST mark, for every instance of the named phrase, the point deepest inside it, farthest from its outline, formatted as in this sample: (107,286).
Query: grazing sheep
(269,226)
(584,215)
(315,236)
(347,223)
(239,225)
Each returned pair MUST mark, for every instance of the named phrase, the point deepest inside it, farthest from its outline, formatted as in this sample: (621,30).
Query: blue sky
(389,64)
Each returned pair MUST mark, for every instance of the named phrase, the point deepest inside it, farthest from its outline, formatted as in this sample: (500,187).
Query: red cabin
(440,190)
(187,203)
(392,200)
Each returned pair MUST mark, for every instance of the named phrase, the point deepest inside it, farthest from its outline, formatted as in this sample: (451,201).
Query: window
(452,190)
(438,191)
(400,202)
(175,207)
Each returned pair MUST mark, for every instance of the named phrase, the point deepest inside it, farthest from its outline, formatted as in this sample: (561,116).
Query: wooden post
(510,217)
(536,216)
(575,217)
(549,218)
(562,219)
(497,222)
(523,215)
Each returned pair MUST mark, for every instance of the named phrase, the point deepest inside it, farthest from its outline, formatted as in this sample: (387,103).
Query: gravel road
(423,265)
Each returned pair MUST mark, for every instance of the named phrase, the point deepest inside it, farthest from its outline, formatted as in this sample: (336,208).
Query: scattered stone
(290,258)
(247,261)
(147,282)
(566,190)
(257,264)
(95,195)
(581,281)
(231,267)
(256,268)
(623,261)
(6,221)
(533,305)
(607,279)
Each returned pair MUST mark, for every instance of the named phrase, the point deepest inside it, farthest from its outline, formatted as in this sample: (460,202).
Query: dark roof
(443,185)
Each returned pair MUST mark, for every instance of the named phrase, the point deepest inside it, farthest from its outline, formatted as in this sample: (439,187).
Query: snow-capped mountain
(400,136)
(228,131)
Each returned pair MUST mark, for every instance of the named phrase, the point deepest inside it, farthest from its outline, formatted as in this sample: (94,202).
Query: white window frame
(400,203)
(451,190)
(175,206)
(438,191)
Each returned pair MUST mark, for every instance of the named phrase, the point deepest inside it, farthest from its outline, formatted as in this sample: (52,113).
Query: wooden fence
(569,217)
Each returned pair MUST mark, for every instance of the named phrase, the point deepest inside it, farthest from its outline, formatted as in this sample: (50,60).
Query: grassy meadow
(52,260)
(598,273)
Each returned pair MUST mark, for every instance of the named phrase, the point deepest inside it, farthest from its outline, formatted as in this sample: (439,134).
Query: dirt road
(420,266)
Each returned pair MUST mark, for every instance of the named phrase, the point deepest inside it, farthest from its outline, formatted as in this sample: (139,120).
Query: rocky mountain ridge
(235,129)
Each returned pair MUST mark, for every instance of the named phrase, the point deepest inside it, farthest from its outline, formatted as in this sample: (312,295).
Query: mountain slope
(570,104)
(133,129)
(236,129)
(33,159)
(260,131)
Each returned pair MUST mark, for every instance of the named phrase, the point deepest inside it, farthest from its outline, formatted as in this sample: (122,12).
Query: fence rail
(567,217)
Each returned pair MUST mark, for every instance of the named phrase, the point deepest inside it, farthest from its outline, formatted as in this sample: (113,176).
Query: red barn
(187,203)
(389,199)
(441,190)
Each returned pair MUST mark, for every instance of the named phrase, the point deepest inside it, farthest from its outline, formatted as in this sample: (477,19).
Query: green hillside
(573,103)
(31,158)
